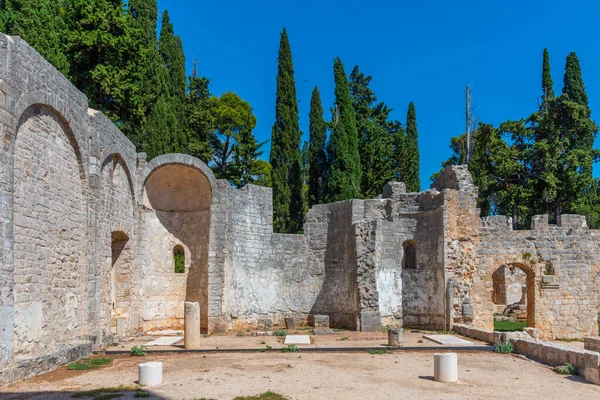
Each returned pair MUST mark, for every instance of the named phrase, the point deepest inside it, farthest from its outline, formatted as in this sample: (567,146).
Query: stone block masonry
(96,240)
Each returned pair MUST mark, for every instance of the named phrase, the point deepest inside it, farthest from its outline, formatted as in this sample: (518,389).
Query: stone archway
(121,283)
(506,275)
(177,198)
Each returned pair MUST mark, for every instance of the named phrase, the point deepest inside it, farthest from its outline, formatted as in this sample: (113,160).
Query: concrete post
(191,338)
(150,373)
(445,367)
(396,337)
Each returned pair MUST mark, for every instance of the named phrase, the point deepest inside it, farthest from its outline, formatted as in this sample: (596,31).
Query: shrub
(567,369)
(504,348)
(345,338)
(291,348)
(239,333)
(139,351)
(385,328)
(280,332)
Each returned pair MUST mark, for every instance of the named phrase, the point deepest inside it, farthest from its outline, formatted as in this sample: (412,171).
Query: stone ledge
(29,367)
(592,343)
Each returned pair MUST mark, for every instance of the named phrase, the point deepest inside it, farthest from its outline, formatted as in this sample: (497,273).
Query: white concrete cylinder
(445,367)
(150,373)
(191,335)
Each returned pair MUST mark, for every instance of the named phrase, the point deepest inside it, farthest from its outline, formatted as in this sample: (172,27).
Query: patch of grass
(105,393)
(206,335)
(378,351)
(385,328)
(265,396)
(345,338)
(567,369)
(509,326)
(239,333)
(139,351)
(85,365)
(291,348)
(280,332)
(141,394)
(504,348)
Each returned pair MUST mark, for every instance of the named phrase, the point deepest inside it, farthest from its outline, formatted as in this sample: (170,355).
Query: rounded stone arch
(62,113)
(532,285)
(69,214)
(177,159)
(114,151)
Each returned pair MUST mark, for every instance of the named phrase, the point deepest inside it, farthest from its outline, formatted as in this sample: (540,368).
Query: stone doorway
(120,290)
(513,295)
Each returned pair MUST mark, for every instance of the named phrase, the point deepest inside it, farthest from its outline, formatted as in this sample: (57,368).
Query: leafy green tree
(233,124)
(410,168)
(102,46)
(375,141)
(345,170)
(317,157)
(262,173)
(286,157)
(40,23)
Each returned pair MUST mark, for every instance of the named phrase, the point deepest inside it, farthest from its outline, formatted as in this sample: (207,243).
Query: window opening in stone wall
(410,255)
(179,259)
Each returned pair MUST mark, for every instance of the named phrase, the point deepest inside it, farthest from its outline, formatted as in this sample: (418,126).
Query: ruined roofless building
(96,240)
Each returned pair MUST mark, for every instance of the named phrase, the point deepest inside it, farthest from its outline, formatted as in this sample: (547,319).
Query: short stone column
(150,373)
(396,337)
(191,338)
(445,367)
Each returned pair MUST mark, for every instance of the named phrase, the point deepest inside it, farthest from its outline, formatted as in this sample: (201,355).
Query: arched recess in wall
(409,259)
(49,231)
(116,214)
(513,293)
(177,195)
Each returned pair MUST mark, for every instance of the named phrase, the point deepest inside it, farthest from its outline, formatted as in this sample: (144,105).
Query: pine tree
(573,81)
(102,46)
(233,124)
(345,174)
(410,160)
(39,23)
(286,157)
(245,167)
(317,157)
(547,90)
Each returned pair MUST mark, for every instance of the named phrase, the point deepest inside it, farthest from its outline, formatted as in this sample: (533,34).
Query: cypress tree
(39,23)
(573,81)
(345,174)
(199,117)
(547,90)
(317,157)
(171,50)
(286,156)
(410,159)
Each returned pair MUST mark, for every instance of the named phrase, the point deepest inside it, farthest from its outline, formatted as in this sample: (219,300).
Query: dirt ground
(331,375)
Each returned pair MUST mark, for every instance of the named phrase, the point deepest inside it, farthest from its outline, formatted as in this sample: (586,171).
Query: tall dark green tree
(317,156)
(345,170)
(39,23)
(286,156)
(199,117)
(573,81)
(410,168)
(245,166)
(375,140)
(547,89)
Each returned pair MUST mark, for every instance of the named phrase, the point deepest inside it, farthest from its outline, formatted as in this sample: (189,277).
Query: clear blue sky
(420,51)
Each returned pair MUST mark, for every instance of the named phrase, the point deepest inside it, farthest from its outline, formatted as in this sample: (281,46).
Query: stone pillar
(191,338)
(396,337)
